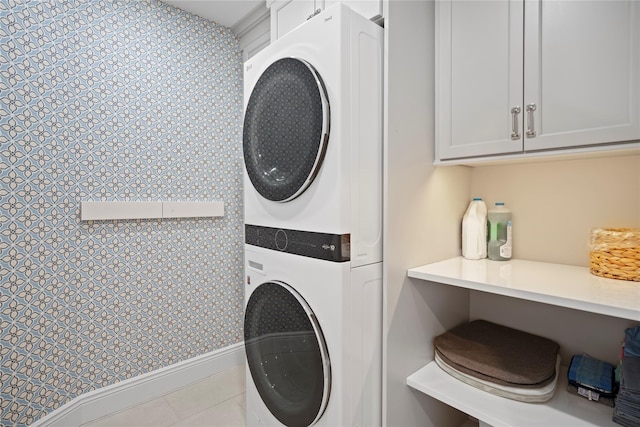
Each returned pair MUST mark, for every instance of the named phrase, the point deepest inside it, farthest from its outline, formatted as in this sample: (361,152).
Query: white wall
(575,331)
(423,208)
(555,204)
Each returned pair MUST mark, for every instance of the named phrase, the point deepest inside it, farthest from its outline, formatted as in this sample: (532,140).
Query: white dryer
(313,340)
(312,135)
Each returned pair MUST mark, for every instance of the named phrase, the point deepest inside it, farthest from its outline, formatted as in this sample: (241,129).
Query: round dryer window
(286,129)
(286,354)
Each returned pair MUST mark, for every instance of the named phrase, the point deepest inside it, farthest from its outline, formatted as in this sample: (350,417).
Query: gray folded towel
(631,375)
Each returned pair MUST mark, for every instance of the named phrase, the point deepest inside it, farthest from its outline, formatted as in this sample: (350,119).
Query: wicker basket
(615,253)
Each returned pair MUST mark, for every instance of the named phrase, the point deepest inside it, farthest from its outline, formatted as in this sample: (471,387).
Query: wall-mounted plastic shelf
(102,211)
(557,284)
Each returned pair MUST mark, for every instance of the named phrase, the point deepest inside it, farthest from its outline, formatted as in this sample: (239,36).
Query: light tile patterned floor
(218,401)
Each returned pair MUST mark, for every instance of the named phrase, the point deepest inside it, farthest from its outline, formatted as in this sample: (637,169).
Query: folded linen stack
(627,410)
(500,360)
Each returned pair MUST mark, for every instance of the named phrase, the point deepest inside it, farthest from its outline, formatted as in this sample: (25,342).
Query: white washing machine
(313,339)
(312,136)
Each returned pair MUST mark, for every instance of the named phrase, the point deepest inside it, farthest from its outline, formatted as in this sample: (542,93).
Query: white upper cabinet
(582,72)
(518,77)
(479,77)
(288,14)
(370,9)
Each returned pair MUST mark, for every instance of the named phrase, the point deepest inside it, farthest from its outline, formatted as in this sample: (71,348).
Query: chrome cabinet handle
(514,123)
(531,133)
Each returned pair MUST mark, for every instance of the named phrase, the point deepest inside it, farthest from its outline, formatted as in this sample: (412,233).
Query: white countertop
(557,284)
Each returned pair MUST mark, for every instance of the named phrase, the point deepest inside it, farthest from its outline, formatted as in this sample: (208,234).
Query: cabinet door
(370,9)
(288,14)
(582,72)
(479,76)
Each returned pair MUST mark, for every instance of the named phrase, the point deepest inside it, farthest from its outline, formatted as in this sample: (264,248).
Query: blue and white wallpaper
(113,100)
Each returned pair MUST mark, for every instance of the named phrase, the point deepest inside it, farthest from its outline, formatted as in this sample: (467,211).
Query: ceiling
(224,12)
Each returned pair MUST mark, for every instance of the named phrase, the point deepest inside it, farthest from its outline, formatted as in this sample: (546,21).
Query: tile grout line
(194,415)
(164,398)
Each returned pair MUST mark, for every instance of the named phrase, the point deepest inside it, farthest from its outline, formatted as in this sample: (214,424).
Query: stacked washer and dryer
(312,143)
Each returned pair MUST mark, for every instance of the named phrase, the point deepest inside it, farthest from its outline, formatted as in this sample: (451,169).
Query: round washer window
(286,129)
(286,354)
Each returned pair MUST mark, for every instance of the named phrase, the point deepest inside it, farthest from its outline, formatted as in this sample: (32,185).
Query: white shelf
(556,284)
(113,210)
(563,409)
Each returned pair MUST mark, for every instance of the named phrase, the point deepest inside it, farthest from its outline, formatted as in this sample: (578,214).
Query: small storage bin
(592,379)
(615,253)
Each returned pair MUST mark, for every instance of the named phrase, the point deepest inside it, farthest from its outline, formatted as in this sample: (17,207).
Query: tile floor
(218,401)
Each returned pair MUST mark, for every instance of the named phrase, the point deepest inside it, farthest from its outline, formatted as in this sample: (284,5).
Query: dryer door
(286,129)
(287,354)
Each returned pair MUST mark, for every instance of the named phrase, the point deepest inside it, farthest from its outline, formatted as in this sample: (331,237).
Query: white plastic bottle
(500,236)
(474,230)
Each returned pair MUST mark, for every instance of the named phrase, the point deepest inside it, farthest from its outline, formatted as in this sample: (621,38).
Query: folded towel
(626,421)
(592,374)
(627,412)
(632,342)
(631,375)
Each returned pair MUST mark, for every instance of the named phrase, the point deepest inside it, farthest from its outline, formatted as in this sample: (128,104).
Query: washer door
(286,129)
(287,354)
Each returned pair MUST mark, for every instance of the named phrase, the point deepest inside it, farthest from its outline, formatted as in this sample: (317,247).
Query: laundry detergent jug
(474,230)
(500,237)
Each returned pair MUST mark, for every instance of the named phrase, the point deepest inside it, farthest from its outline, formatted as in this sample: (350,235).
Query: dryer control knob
(281,240)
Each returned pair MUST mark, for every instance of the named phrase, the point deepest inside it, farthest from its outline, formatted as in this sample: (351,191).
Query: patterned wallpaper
(113,100)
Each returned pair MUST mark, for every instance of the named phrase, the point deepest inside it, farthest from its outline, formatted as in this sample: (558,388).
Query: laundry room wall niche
(113,100)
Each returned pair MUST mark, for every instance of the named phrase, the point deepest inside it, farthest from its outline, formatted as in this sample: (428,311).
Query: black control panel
(329,247)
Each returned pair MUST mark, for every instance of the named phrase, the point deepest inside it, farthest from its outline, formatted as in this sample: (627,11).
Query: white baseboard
(116,397)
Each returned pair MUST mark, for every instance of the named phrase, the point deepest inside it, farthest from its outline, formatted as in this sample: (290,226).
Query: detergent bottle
(500,234)
(474,230)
